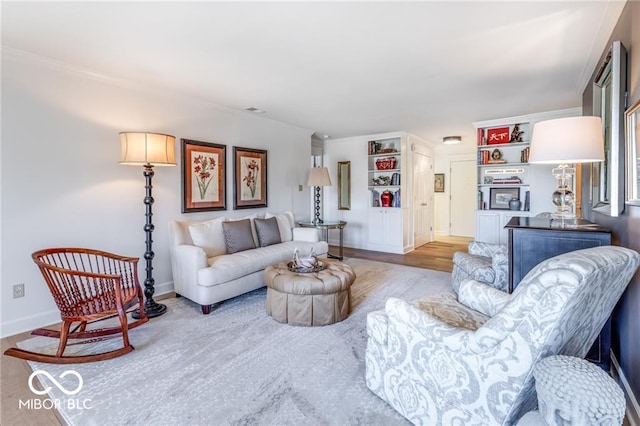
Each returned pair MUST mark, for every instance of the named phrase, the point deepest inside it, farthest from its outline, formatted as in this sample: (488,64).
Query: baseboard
(21,325)
(633,408)
(44,319)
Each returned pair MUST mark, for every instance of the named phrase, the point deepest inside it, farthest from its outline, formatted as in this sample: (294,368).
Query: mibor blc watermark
(51,404)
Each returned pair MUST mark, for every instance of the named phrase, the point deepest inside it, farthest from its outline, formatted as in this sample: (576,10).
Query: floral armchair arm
(408,320)
(499,255)
(482,298)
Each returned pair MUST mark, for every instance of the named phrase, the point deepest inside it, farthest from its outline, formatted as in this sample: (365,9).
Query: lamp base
(151,310)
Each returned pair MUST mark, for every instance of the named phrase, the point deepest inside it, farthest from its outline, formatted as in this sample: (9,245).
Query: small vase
(386,198)
(515,204)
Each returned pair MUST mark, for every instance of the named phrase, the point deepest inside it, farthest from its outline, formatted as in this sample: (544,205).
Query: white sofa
(205,273)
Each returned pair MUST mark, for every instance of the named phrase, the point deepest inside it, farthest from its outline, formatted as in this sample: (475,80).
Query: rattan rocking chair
(88,286)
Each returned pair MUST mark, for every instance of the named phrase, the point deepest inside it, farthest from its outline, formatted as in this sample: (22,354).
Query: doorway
(463,198)
(422,198)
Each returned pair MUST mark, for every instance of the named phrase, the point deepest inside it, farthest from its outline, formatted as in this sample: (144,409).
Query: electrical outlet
(18,291)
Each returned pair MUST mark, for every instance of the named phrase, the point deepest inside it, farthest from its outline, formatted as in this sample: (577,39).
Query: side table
(324,228)
(572,391)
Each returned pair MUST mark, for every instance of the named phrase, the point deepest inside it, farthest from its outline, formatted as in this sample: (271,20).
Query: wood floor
(15,372)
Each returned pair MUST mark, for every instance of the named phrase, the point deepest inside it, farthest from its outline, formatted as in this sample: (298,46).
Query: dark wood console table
(532,240)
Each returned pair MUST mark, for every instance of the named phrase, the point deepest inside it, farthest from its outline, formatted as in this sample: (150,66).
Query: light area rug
(238,366)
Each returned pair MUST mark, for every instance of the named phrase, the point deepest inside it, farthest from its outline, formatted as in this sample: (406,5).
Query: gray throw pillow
(237,235)
(268,231)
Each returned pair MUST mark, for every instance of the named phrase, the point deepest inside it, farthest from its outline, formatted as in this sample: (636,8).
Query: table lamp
(566,141)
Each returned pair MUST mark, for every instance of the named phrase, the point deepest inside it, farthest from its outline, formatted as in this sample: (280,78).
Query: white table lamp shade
(319,176)
(139,148)
(567,140)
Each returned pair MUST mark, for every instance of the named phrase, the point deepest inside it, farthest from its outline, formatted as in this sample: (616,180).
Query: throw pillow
(251,217)
(285,224)
(237,235)
(209,236)
(268,231)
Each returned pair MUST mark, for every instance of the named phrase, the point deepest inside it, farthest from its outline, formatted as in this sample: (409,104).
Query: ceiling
(337,68)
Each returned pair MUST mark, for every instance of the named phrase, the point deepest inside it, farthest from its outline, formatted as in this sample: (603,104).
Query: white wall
(62,185)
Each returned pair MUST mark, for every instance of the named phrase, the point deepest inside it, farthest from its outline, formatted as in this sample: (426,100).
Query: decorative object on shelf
(499,198)
(318,177)
(513,180)
(396,198)
(382,180)
(488,180)
(516,134)
(515,204)
(375,196)
(632,130)
(204,175)
(451,140)
(438,182)
(395,179)
(148,150)
(386,198)
(386,163)
(387,147)
(565,141)
(305,264)
(496,154)
(497,135)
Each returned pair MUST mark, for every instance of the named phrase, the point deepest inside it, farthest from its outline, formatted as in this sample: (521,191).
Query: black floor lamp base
(151,311)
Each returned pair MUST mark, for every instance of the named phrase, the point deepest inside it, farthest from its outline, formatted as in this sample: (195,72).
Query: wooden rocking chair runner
(88,286)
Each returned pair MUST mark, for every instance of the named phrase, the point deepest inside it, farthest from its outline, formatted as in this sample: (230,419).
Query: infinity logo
(55,382)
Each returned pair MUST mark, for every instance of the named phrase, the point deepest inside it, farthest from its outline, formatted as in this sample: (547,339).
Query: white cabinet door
(386,230)
(488,226)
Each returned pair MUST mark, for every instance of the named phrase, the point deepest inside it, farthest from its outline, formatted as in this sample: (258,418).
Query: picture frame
(632,132)
(499,197)
(498,135)
(204,171)
(250,178)
(438,182)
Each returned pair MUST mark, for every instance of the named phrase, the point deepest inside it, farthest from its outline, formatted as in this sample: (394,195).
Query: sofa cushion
(238,236)
(209,236)
(229,267)
(267,231)
(286,222)
(251,217)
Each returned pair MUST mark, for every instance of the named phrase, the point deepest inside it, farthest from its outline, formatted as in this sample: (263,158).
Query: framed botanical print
(250,178)
(203,176)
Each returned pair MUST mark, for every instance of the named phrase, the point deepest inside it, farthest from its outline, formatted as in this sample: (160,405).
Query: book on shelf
(481,138)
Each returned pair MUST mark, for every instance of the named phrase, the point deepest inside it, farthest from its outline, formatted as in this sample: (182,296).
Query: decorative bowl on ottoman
(386,163)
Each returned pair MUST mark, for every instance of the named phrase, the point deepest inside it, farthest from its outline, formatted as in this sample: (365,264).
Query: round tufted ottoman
(573,391)
(317,298)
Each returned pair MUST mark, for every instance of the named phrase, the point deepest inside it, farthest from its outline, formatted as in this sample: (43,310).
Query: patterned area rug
(238,366)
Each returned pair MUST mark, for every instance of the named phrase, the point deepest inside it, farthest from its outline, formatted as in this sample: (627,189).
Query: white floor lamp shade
(318,177)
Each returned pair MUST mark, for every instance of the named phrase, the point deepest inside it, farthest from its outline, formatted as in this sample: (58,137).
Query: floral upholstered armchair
(485,262)
(469,360)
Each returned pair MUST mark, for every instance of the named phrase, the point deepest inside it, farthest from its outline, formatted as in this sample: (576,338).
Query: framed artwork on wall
(438,182)
(204,173)
(250,178)
(499,197)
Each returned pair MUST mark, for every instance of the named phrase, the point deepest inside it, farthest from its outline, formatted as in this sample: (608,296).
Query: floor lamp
(318,176)
(148,150)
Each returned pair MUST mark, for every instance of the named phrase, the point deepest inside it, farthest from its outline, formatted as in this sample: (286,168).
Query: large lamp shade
(567,140)
(138,148)
(319,176)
